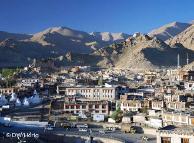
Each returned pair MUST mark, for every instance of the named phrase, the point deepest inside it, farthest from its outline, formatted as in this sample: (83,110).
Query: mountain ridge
(169,30)
(102,49)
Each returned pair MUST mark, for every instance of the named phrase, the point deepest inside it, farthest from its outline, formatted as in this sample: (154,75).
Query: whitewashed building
(172,134)
(95,93)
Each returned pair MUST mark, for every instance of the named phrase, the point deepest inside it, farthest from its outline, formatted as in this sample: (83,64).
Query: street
(117,135)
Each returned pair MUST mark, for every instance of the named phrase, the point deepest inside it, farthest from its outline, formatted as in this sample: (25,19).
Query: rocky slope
(170,30)
(17,49)
(18,53)
(185,38)
(142,52)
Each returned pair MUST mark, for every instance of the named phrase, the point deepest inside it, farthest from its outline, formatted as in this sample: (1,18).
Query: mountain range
(157,48)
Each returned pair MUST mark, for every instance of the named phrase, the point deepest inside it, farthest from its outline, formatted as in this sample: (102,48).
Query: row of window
(6,91)
(175,119)
(77,112)
(84,106)
(89,90)
(130,104)
(33,80)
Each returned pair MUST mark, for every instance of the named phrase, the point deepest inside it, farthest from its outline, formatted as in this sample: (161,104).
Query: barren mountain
(18,53)
(138,52)
(76,41)
(142,52)
(185,38)
(168,31)
(48,43)
(6,35)
(65,39)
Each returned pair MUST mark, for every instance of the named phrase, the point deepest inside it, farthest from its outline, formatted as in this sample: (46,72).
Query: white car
(102,131)
(82,130)
(49,128)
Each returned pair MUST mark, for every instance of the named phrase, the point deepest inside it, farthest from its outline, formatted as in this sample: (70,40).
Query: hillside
(185,38)
(76,41)
(51,42)
(169,30)
(19,53)
(101,49)
(142,52)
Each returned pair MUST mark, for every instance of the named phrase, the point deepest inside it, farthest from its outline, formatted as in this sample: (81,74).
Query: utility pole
(178,61)
(187,58)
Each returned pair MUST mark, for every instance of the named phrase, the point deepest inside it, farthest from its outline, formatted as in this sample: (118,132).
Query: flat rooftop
(180,130)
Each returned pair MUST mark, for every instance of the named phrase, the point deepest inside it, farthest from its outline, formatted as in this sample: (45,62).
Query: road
(118,135)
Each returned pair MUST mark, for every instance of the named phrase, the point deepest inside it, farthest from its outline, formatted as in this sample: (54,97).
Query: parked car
(83,130)
(102,131)
(49,127)
(82,125)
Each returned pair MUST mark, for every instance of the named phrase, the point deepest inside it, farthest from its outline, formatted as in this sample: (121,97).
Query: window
(96,106)
(97,111)
(103,106)
(83,106)
(165,140)
(184,140)
(66,107)
(192,121)
(90,106)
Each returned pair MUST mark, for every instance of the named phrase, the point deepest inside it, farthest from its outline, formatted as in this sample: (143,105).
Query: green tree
(117,115)
(8,74)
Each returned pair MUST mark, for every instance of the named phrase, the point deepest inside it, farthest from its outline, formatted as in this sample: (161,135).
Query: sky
(128,16)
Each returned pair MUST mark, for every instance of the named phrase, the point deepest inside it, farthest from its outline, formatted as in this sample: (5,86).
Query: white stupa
(3,100)
(18,102)
(13,97)
(26,102)
(35,99)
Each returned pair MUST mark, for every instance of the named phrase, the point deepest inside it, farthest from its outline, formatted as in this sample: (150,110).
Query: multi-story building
(131,101)
(131,105)
(76,106)
(157,104)
(94,93)
(176,74)
(7,91)
(177,118)
(189,85)
(177,106)
(149,77)
(28,82)
(173,134)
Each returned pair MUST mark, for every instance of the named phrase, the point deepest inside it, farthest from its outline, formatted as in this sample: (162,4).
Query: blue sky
(129,16)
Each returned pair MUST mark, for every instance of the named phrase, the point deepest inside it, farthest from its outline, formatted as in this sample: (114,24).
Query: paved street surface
(118,135)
